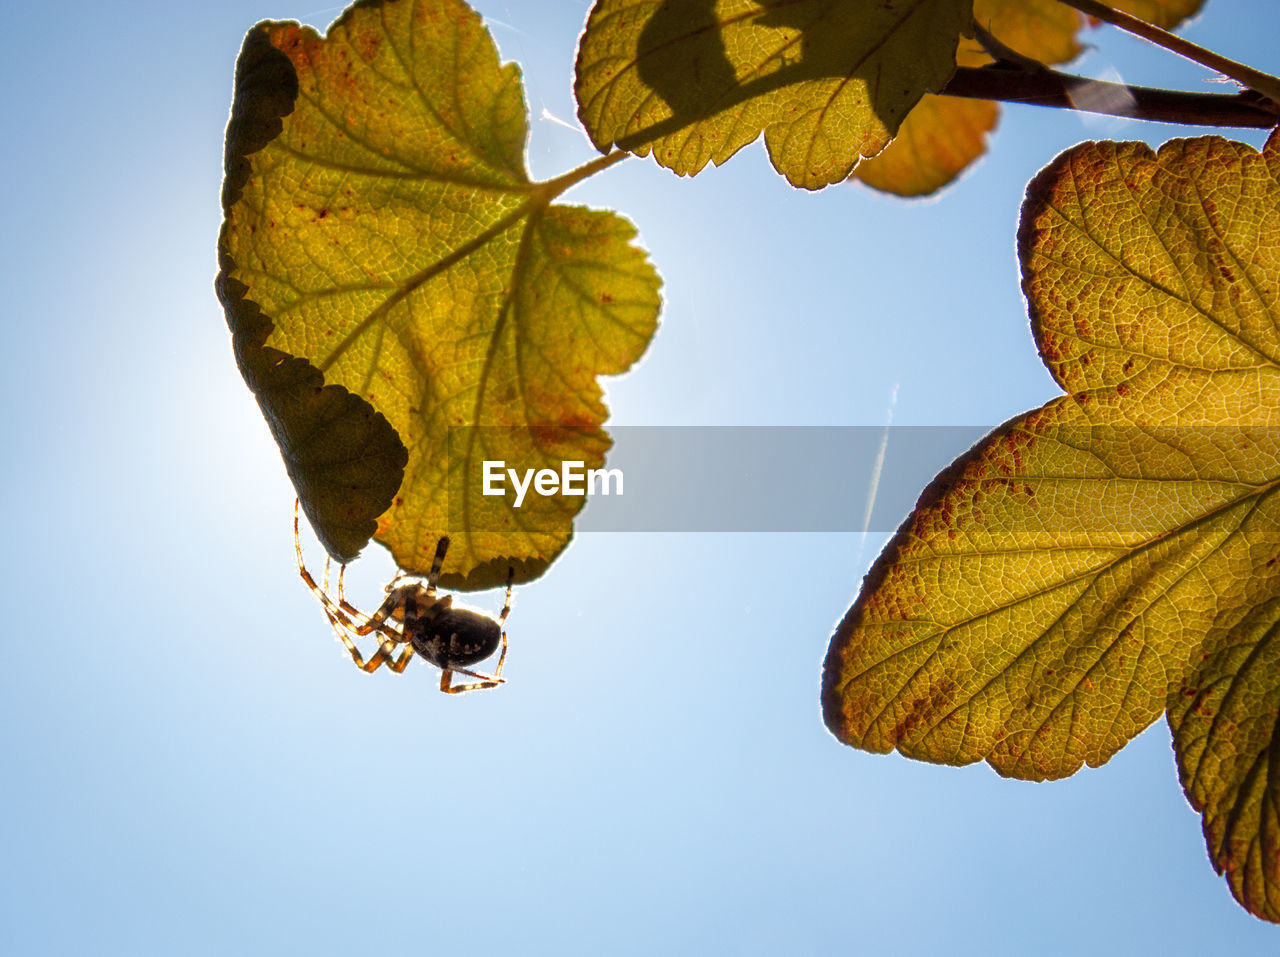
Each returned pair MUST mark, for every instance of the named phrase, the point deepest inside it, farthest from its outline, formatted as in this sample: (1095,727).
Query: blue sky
(192,765)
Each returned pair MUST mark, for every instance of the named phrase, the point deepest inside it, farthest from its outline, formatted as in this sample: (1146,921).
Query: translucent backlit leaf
(826,81)
(1118,549)
(386,231)
(943,135)
(1043,30)
(1163,13)
(829,83)
(343,457)
(937,140)
(1224,717)
(1048,31)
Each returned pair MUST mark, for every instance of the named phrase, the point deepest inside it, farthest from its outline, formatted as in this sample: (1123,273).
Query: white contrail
(304,17)
(548,115)
(505,26)
(876,468)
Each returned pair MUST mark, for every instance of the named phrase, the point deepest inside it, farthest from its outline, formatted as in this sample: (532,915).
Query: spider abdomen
(453,637)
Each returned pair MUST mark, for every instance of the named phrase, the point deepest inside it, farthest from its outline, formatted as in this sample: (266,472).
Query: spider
(450,638)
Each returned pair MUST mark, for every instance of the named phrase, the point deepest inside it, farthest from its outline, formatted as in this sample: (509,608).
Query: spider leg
(506,605)
(446,678)
(363,623)
(399,664)
(348,621)
(347,630)
(352,617)
(486,681)
(386,653)
(442,546)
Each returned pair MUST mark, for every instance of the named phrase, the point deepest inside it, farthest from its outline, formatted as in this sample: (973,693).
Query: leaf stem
(551,188)
(1264,83)
(1047,87)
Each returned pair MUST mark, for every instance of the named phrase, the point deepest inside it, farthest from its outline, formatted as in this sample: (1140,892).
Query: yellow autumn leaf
(1224,716)
(1049,31)
(343,457)
(826,81)
(388,234)
(943,135)
(939,138)
(1118,549)
(830,83)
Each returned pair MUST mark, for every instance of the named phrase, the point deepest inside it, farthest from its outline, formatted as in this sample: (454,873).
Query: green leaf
(827,81)
(384,226)
(1118,548)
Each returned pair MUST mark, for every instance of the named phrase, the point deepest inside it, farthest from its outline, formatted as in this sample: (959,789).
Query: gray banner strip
(852,479)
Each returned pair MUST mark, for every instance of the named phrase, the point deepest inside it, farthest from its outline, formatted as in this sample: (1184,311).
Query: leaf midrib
(943,629)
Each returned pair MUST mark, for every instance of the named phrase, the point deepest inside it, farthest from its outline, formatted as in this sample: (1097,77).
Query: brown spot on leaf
(939,696)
